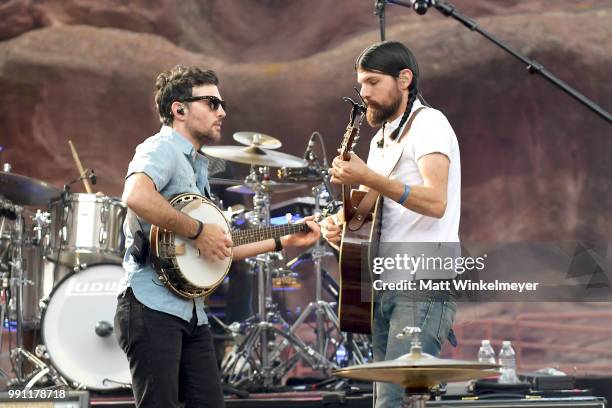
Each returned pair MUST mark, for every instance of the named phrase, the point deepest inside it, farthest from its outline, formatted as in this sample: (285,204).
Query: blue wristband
(404,196)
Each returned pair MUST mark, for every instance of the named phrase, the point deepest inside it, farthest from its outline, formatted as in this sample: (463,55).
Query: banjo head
(196,269)
(178,262)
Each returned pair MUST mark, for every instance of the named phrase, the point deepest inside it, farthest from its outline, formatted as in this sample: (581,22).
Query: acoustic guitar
(360,234)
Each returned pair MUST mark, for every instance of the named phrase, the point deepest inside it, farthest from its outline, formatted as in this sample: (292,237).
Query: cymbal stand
(256,360)
(414,397)
(327,322)
(20,355)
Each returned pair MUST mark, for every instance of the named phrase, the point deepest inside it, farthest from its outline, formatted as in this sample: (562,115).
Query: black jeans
(171,360)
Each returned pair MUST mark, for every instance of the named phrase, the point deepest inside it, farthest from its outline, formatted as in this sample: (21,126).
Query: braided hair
(390,58)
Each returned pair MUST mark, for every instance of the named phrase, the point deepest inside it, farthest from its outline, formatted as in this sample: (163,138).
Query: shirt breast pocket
(184,181)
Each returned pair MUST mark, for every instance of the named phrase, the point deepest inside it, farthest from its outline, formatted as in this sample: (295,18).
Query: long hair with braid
(390,58)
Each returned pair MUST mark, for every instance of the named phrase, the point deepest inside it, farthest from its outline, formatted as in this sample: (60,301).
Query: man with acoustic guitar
(414,165)
(166,337)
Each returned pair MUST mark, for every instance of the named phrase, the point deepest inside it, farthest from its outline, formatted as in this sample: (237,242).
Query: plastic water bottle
(486,354)
(507,361)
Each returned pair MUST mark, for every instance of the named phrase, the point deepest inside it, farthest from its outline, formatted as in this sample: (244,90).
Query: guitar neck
(251,235)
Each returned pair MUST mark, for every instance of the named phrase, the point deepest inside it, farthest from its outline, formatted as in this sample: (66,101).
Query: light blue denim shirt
(175,167)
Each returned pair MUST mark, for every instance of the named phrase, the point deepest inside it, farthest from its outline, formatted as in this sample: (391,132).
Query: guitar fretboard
(262,233)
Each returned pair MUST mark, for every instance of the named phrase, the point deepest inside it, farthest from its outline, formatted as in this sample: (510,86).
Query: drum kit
(60,255)
(60,273)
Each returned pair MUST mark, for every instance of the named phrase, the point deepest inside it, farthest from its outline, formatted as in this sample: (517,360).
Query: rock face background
(535,162)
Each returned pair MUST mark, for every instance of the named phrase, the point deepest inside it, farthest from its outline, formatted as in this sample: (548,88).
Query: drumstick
(75,156)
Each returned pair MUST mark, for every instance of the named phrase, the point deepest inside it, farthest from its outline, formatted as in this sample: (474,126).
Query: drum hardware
(309,174)
(327,323)
(256,360)
(269,185)
(215,181)
(41,370)
(104,328)
(257,139)
(327,327)
(88,177)
(418,372)
(16,283)
(41,220)
(285,279)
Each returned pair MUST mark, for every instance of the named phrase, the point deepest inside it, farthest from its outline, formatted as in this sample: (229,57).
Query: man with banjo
(166,337)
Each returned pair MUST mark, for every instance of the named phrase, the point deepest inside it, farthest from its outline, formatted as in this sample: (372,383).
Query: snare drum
(86,229)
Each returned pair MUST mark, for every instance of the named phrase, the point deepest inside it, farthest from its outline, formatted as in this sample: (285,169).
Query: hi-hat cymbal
(418,370)
(257,139)
(254,155)
(23,190)
(270,186)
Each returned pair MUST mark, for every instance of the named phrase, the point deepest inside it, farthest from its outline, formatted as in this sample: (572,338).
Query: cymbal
(418,370)
(270,186)
(25,190)
(257,139)
(255,155)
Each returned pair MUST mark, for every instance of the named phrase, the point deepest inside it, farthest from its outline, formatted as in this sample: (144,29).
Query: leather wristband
(278,245)
(199,231)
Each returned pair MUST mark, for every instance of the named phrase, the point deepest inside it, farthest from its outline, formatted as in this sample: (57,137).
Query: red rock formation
(93,85)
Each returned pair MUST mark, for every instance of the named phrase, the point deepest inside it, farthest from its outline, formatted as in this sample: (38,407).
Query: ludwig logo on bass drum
(93,288)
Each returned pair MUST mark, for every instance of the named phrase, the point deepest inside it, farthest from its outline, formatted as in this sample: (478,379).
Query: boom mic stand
(534,67)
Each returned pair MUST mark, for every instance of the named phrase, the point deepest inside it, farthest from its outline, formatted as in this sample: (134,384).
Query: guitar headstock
(351,134)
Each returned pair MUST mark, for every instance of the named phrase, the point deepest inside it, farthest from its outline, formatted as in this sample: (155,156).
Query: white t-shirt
(430,133)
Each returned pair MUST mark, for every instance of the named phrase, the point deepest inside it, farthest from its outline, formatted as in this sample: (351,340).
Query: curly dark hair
(176,84)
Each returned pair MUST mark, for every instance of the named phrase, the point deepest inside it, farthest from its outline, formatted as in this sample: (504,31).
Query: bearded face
(382,94)
(380,112)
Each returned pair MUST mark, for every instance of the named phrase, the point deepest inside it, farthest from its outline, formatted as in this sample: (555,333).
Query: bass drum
(77,329)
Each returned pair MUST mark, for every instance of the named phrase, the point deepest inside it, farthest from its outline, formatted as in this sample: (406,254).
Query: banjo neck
(251,235)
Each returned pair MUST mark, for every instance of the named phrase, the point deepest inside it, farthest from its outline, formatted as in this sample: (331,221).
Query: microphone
(92,177)
(309,153)
(421,6)
(302,257)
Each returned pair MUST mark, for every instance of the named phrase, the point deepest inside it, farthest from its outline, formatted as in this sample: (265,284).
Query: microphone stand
(379,10)
(533,66)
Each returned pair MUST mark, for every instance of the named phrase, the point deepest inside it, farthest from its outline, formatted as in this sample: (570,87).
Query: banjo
(179,265)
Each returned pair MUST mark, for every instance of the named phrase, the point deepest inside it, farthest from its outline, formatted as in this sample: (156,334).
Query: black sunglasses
(213,101)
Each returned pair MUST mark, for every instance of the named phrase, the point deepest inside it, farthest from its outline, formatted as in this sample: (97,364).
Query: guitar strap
(367,203)
(140,245)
